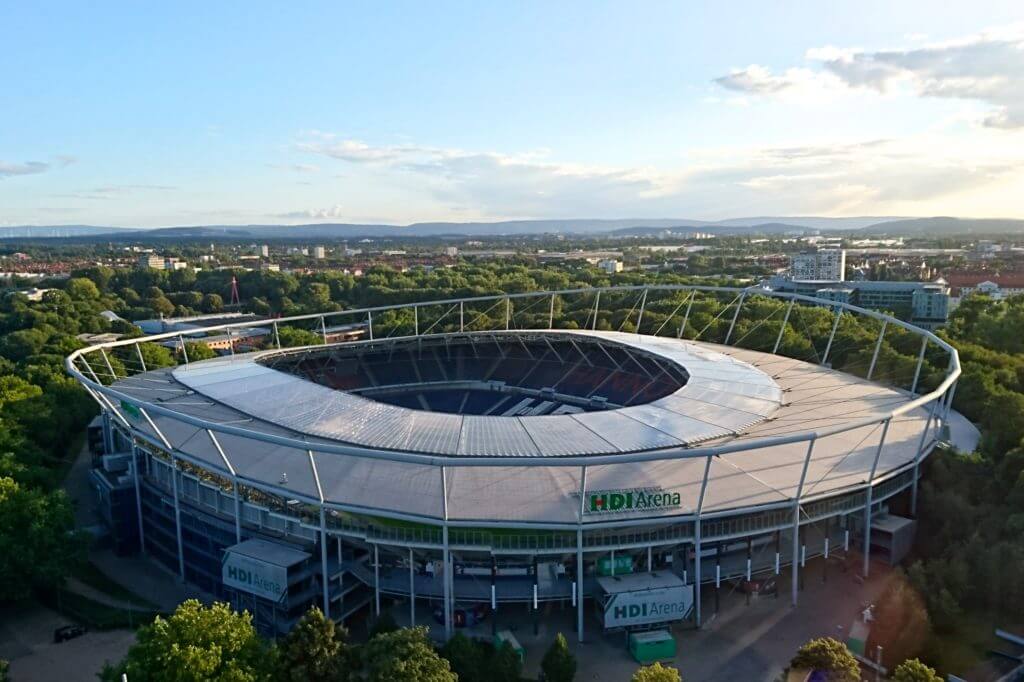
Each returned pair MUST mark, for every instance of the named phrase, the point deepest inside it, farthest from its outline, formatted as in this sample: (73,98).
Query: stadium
(466,459)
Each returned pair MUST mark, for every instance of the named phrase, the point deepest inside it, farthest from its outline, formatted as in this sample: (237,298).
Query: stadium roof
(723,396)
(771,395)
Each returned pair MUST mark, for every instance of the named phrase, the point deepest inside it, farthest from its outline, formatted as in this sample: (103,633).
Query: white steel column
(376,580)
(446,558)
(238,511)
(579,551)
(412,589)
(686,315)
(597,307)
(234,483)
(735,316)
(138,351)
(878,347)
(177,516)
(324,582)
(551,313)
(138,496)
(796,522)
(640,317)
(920,453)
(867,504)
(369,323)
(782,329)
(696,543)
(416,320)
(920,361)
(835,325)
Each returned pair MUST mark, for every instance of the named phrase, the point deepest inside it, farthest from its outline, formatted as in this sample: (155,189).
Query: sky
(182,113)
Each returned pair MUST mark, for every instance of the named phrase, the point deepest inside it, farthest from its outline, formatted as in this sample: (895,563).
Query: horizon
(152,117)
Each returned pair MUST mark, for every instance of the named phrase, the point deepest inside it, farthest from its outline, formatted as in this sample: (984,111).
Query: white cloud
(759,80)
(106,192)
(986,67)
(336,211)
(8,170)
(831,177)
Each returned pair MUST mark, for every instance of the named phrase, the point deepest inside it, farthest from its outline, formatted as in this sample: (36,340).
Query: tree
(559,665)
(901,624)
(198,351)
(38,547)
(382,624)
(828,655)
(656,673)
(913,670)
(196,643)
(212,303)
(405,655)
(465,657)
(316,649)
(292,337)
(506,666)
(82,289)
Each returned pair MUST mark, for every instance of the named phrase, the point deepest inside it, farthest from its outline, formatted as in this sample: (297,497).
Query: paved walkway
(137,574)
(752,642)
(26,640)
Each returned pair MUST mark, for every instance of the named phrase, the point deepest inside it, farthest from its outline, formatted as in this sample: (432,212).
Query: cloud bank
(987,67)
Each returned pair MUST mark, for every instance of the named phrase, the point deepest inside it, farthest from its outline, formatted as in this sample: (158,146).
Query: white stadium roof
(732,394)
(722,397)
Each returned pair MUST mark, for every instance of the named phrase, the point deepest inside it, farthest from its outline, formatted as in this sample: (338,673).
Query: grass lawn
(91,575)
(60,472)
(92,614)
(959,651)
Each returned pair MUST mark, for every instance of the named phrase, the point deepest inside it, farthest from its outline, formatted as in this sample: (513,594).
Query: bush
(913,670)
(828,655)
(656,673)
(559,665)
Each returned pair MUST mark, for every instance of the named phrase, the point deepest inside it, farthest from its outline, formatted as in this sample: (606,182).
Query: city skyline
(145,117)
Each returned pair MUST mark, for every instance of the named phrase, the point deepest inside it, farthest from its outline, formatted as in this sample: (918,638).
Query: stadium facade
(462,469)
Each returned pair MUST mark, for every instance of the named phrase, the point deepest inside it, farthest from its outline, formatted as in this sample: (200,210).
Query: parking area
(26,640)
(741,641)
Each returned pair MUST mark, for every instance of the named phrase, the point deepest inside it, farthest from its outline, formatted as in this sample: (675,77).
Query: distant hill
(623,227)
(946,226)
(54,231)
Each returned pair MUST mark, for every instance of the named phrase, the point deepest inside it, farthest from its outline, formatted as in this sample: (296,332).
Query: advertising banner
(643,607)
(254,576)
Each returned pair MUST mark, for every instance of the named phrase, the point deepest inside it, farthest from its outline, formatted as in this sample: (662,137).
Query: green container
(623,565)
(649,647)
(503,636)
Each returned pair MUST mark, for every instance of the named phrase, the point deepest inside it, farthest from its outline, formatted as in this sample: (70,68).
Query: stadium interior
(492,376)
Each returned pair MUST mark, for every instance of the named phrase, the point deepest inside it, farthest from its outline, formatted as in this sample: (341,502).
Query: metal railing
(562,306)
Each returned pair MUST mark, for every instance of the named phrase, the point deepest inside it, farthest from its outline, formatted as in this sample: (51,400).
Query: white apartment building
(610,266)
(823,264)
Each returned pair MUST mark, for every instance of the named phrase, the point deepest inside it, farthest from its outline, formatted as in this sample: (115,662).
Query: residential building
(265,251)
(610,266)
(925,304)
(318,252)
(823,264)
(995,286)
(151,260)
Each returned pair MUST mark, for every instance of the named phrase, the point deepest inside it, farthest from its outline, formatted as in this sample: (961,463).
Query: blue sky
(185,113)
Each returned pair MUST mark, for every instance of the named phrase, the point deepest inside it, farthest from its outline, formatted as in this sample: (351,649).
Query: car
(67,632)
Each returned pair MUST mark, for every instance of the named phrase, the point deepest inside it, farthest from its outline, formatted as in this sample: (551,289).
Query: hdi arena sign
(630,500)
